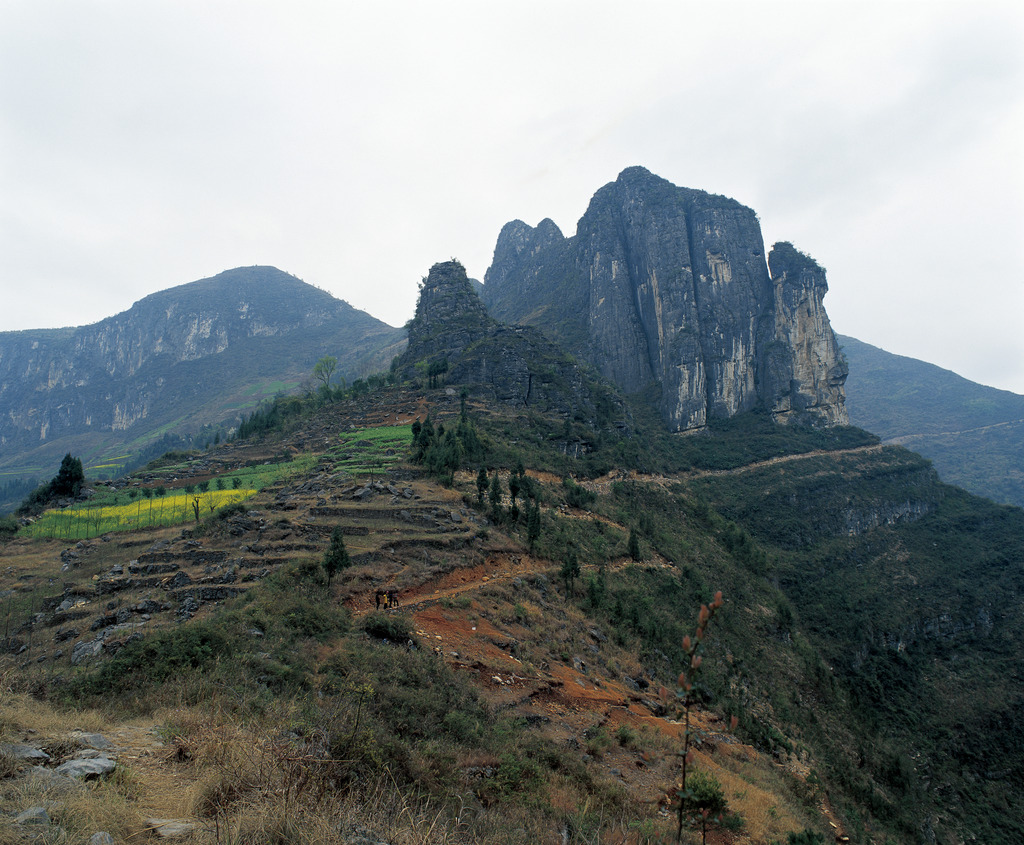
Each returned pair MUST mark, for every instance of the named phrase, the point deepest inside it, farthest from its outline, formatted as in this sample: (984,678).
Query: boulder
(86,651)
(34,816)
(88,769)
(27,753)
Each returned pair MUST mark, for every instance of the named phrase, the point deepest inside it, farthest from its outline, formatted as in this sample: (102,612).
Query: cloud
(147,145)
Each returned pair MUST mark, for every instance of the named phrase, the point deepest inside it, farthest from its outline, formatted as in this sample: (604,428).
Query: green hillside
(865,645)
(973,434)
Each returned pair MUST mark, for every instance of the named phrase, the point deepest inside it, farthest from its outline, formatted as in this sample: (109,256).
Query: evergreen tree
(634,544)
(336,557)
(481,486)
(570,570)
(513,488)
(533,524)
(705,801)
(494,495)
(69,478)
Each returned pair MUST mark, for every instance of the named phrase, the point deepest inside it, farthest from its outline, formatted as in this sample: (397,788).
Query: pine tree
(494,494)
(336,557)
(570,570)
(634,545)
(533,524)
(69,478)
(705,801)
(513,488)
(481,486)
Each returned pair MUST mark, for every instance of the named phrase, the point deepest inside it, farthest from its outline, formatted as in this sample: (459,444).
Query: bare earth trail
(603,484)
(903,439)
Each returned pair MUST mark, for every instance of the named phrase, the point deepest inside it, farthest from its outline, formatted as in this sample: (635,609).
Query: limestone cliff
(803,370)
(670,285)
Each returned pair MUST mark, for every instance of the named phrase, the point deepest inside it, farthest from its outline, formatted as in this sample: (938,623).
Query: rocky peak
(450,316)
(453,341)
(796,269)
(670,286)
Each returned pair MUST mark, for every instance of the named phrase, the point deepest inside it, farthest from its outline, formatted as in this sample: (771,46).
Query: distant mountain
(668,288)
(194,356)
(974,435)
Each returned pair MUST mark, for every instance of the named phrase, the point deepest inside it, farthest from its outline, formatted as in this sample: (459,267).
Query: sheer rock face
(669,285)
(803,370)
(452,336)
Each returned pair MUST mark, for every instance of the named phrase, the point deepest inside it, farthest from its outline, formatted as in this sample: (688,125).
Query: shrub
(8,527)
(395,629)
(154,659)
(234,509)
(577,496)
(626,736)
(598,743)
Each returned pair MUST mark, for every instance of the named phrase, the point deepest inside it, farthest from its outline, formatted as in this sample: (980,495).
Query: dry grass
(107,806)
(757,792)
(21,712)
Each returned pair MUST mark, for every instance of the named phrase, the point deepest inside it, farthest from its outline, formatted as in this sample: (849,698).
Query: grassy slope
(857,646)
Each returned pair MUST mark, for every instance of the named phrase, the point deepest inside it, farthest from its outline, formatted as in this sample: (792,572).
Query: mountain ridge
(175,362)
(972,433)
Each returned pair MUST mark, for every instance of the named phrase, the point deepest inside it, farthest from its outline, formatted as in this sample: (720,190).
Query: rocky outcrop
(802,368)
(670,286)
(453,341)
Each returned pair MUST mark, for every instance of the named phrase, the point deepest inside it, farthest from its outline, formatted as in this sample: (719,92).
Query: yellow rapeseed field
(177,506)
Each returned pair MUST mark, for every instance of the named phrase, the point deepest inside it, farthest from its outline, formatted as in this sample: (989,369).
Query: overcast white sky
(148,144)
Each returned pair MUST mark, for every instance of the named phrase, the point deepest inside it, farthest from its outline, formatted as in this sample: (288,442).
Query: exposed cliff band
(670,285)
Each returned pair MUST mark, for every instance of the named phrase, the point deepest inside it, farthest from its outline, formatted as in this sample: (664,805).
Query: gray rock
(101,837)
(180,579)
(87,769)
(92,740)
(50,783)
(34,815)
(670,285)
(500,362)
(25,752)
(86,651)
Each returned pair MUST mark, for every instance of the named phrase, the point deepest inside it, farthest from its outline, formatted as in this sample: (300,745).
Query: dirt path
(901,439)
(603,484)
(496,570)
